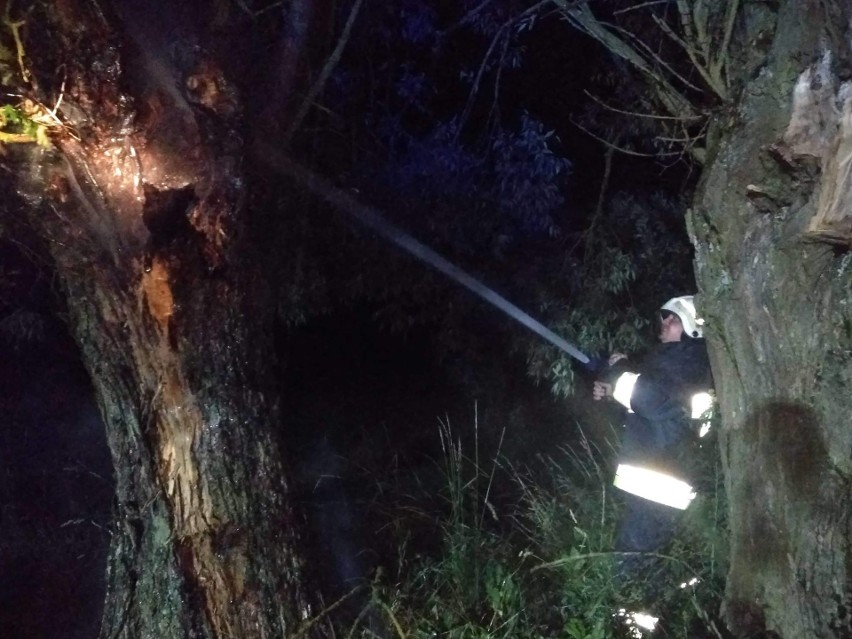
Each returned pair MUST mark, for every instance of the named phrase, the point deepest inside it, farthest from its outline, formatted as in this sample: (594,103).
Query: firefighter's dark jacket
(660,426)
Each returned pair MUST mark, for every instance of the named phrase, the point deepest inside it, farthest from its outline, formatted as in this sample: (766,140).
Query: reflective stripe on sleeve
(654,486)
(701,403)
(623,390)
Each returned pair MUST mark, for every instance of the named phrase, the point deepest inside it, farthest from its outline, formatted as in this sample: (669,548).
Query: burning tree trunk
(142,203)
(779,310)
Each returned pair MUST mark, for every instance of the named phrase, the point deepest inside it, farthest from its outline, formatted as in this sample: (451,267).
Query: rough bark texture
(779,308)
(142,203)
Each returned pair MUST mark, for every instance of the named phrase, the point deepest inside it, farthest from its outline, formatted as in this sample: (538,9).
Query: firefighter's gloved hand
(615,358)
(610,372)
(600,365)
(601,390)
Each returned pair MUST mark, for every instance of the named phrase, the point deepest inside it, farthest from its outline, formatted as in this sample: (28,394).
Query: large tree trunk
(778,303)
(143,208)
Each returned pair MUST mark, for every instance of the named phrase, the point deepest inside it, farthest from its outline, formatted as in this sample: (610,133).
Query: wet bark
(779,310)
(142,201)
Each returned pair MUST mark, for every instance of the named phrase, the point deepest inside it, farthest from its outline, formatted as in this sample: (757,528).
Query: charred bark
(779,311)
(142,203)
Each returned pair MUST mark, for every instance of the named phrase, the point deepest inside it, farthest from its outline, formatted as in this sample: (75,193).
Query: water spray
(372,219)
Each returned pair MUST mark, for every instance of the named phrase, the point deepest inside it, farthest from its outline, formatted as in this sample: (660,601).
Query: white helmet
(684,308)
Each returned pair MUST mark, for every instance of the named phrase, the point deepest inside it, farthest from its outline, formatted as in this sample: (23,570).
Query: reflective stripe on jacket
(650,484)
(658,398)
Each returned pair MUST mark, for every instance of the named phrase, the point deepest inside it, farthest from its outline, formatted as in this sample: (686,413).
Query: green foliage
(635,256)
(26,121)
(18,125)
(534,559)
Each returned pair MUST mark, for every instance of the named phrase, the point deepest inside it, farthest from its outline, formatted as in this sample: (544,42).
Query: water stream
(374,220)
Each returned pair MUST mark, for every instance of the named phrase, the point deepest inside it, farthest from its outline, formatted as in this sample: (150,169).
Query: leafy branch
(19,125)
(28,121)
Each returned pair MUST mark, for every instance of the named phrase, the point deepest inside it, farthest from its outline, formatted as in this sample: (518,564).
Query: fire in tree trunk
(142,203)
(779,308)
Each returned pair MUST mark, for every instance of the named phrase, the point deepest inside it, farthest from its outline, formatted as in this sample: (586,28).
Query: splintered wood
(218,575)
(158,292)
(833,220)
(821,126)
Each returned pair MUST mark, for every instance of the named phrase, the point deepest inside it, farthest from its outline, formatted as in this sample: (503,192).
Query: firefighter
(661,394)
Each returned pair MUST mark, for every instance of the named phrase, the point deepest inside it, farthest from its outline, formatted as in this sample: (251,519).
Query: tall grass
(527,554)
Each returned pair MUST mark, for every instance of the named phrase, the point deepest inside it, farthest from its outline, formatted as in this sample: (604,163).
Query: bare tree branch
(641,5)
(636,114)
(492,113)
(604,185)
(712,82)
(242,5)
(470,15)
(621,149)
(700,14)
(330,64)
(717,65)
(287,57)
(268,8)
(582,18)
(654,56)
(686,21)
(690,142)
(481,71)
(697,40)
